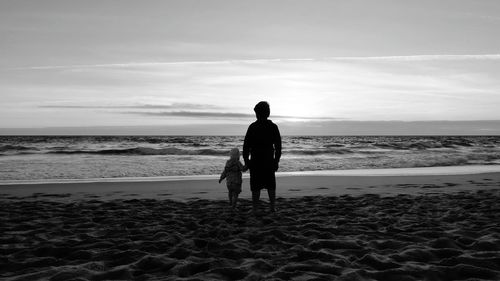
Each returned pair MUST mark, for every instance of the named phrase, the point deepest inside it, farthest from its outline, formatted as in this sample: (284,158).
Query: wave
(22,150)
(9,147)
(422,145)
(146,151)
(179,151)
(318,151)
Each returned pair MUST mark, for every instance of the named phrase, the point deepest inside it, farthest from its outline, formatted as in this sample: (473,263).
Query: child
(232,173)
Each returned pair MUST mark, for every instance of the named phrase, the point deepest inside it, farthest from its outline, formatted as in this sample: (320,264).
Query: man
(262,153)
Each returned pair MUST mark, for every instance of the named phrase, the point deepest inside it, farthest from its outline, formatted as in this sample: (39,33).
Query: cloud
(142,106)
(442,57)
(187,110)
(421,58)
(151,64)
(220,115)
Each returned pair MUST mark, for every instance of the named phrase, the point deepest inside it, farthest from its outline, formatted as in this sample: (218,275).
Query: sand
(385,182)
(326,228)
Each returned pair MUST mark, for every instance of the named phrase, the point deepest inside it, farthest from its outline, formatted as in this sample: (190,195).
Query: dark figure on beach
(262,153)
(233,175)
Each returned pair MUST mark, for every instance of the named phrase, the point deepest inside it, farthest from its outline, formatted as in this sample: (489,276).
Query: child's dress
(233,174)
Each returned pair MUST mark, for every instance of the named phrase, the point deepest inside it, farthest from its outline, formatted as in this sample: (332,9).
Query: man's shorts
(262,179)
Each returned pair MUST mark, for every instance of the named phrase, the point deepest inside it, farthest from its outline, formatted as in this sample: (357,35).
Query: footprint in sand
(431,186)
(408,185)
(322,188)
(201,192)
(294,189)
(53,195)
(164,194)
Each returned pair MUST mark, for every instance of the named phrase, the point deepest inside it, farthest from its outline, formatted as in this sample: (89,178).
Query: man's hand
(220,180)
(276,166)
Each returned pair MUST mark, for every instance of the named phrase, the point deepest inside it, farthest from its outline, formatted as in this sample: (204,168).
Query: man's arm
(246,148)
(277,146)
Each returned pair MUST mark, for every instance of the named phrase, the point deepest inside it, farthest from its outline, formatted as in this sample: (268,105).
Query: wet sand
(331,228)
(290,185)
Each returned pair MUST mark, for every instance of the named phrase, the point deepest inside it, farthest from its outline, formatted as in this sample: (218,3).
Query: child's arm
(222,175)
(243,168)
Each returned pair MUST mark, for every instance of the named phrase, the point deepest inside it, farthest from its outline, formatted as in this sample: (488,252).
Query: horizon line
(218,124)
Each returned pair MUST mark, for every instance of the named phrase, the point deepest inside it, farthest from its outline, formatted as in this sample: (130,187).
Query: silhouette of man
(262,153)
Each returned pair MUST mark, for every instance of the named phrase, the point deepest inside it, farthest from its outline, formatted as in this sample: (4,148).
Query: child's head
(235,153)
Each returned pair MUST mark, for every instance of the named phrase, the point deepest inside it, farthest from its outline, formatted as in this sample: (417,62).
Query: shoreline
(288,186)
(391,172)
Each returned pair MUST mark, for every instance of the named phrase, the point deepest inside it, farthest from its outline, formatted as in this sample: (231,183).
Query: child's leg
(230,195)
(235,199)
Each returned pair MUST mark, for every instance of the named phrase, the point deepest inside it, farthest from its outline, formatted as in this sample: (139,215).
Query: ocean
(93,157)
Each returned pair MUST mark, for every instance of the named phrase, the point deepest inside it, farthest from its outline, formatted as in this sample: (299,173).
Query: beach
(327,227)
(130,132)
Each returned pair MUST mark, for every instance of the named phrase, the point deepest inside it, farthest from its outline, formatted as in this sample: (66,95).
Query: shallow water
(84,157)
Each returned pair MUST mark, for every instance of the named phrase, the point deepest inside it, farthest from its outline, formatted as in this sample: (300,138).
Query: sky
(199,67)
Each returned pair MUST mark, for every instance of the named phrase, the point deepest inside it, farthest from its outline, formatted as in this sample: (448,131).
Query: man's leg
(271,191)
(254,187)
(255,199)
(272,198)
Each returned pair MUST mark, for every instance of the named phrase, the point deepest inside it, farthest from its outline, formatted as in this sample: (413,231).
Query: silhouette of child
(233,175)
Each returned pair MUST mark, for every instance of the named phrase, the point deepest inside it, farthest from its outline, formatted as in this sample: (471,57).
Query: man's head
(262,110)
